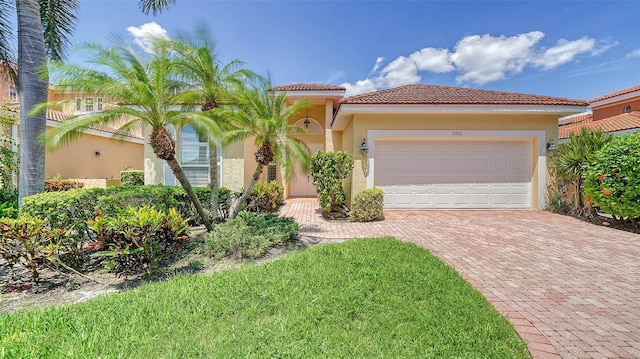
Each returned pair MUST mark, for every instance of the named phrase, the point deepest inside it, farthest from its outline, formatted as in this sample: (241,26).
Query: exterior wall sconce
(306,119)
(364,149)
(98,153)
(551,146)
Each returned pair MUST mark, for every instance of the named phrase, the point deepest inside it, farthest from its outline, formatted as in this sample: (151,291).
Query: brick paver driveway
(571,289)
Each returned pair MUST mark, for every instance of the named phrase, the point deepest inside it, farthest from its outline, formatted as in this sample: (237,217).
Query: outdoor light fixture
(363,147)
(306,119)
(98,153)
(551,146)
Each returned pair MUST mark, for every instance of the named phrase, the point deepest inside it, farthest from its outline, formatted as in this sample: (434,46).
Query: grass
(367,298)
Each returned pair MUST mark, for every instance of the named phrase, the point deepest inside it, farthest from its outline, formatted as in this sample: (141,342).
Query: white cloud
(376,66)
(144,34)
(633,54)
(433,60)
(480,59)
(400,71)
(564,51)
(359,87)
(483,59)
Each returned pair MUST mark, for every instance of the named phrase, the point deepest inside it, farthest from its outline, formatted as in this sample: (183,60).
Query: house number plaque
(456,133)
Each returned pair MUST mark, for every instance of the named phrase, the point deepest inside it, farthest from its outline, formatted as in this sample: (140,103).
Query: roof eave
(615,99)
(346,110)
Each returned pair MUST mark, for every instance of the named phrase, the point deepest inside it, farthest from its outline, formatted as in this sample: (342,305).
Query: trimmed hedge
(57,184)
(367,206)
(73,208)
(132,178)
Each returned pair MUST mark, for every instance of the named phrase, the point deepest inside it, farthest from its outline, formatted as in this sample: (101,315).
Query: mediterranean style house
(616,113)
(425,146)
(95,158)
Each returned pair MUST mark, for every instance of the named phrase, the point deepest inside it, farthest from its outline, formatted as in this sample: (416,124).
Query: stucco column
(328,135)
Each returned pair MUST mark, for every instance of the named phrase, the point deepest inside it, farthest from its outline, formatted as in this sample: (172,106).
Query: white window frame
(99,102)
(79,104)
(88,104)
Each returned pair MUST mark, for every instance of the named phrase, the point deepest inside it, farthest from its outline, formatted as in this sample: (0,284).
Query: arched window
(627,109)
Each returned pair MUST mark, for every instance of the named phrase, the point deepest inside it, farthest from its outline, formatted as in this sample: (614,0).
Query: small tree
(329,169)
(612,181)
(571,160)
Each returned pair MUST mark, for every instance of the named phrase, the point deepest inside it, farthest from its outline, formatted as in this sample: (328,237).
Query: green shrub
(328,170)
(30,243)
(75,207)
(8,203)
(69,210)
(249,235)
(367,205)
(57,184)
(612,181)
(265,197)
(132,178)
(136,239)
(162,198)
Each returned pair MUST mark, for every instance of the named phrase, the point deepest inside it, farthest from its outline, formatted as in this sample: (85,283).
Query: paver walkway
(571,289)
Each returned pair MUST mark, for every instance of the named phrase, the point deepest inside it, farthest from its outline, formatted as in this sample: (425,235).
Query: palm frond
(58,22)
(7,38)
(154,6)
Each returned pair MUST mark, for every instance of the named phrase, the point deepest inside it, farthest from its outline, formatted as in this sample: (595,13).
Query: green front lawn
(366,298)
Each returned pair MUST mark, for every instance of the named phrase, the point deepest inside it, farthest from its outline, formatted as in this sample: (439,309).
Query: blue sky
(581,49)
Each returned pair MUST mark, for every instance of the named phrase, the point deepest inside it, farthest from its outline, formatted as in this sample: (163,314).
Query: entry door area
(302,184)
(454,174)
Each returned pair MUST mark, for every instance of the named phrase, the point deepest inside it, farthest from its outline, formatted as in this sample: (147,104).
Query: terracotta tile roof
(308,87)
(575,119)
(421,94)
(617,93)
(625,121)
(58,116)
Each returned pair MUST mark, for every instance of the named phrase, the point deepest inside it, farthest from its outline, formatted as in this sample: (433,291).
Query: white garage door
(454,174)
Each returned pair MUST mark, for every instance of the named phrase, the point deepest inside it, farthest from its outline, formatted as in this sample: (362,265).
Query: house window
(627,109)
(99,103)
(194,157)
(272,172)
(78,104)
(13,93)
(88,104)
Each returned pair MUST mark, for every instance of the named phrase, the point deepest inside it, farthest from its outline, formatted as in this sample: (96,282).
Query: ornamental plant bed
(55,288)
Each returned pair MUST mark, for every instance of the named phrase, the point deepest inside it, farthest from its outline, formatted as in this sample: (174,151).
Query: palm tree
(210,84)
(142,89)
(264,115)
(44,28)
(572,158)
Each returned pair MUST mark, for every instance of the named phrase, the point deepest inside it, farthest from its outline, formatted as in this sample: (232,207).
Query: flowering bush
(612,181)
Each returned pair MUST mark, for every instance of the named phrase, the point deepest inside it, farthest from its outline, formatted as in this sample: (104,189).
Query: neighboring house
(424,146)
(616,113)
(94,158)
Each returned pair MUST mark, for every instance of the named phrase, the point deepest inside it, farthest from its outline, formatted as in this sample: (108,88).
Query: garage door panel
(454,174)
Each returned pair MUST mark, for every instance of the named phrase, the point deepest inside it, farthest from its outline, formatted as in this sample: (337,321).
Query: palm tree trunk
(213,178)
(247,191)
(32,90)
(182,178)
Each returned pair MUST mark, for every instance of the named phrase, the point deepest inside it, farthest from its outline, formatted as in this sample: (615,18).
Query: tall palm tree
(570,162)
(263,115)
(209,84)
(141,88)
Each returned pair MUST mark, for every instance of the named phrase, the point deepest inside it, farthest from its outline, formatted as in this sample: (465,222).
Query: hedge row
(75,207)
